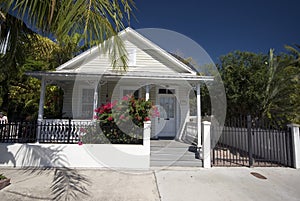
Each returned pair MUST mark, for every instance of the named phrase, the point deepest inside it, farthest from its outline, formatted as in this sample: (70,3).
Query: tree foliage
(262,85)
(67,23)
(242,73)
(22,92)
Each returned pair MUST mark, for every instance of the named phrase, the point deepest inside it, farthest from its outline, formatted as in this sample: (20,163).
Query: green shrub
(121,122)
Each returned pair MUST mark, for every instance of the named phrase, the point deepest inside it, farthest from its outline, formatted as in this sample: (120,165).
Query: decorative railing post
(296,144)
(206,144)
(69,130)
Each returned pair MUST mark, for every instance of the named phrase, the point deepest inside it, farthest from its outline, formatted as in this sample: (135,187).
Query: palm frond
(68,184)
(96,20)
(13,36)
(2,15)
(295,51)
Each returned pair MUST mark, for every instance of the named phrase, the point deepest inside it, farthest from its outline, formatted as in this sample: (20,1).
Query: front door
(166,121)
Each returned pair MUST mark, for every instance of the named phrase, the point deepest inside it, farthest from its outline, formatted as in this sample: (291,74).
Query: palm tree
(95,20)
(295,52)
(281,97)
(13,35)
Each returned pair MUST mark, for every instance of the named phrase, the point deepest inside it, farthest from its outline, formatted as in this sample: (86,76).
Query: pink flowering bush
(123,121)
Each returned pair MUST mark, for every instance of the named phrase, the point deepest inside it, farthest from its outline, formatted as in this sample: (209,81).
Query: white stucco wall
(79,156)
(74,155)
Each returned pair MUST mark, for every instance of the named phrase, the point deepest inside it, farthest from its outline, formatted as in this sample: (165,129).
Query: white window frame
(80,100)
(131,57)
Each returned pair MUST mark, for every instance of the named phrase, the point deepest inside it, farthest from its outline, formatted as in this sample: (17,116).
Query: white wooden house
(88,80)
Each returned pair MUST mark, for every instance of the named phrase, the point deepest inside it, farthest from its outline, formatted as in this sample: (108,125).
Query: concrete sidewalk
(167,185)
(234,184)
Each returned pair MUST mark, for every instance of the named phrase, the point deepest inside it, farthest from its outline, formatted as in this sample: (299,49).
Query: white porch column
(199,116)
(42,100)
(146,136)
(296,144)
(206,145)
(41,106)
(95,105)
(147,92)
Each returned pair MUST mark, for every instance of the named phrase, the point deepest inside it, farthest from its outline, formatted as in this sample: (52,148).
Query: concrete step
(168,143)
(172,157)
(197,163)
(173,153)
(191,149)
(169,150)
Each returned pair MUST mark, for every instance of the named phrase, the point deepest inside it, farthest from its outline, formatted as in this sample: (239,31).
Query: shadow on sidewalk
(67,183)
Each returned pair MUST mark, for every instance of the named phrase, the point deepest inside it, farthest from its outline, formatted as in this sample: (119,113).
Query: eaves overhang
(111,75)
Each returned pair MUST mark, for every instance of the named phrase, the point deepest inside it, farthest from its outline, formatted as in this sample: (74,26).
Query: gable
(143,55)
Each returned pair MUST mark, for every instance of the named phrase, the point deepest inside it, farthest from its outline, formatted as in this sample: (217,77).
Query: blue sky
(224,26)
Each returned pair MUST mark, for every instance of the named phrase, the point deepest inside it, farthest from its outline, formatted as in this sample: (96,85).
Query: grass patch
(2,177)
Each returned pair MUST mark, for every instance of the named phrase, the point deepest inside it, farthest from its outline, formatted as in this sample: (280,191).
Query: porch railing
(61,131)
(191,133)
(49,131)
(18,132)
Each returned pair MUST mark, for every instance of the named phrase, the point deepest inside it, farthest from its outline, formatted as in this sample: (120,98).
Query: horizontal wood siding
(99,64)
(147,61)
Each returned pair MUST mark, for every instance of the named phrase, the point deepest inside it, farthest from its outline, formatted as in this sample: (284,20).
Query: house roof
(162,52)
(72,68)
(143,41)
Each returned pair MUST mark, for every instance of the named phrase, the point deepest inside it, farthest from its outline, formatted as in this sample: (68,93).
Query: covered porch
(51,133)
(83,93)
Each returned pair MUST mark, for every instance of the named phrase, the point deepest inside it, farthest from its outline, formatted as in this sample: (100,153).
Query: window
(166,91)
(131,57)
(87,103)
(168,103)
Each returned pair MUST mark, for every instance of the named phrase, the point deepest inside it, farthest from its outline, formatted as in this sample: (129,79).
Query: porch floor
(173,153)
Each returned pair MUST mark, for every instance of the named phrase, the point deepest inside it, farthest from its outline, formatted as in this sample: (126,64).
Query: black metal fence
(64,132)
(18,132)
(252,142)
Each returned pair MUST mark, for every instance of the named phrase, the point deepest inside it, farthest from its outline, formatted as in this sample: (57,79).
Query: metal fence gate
(251,142)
